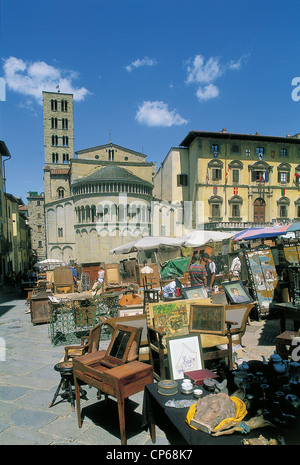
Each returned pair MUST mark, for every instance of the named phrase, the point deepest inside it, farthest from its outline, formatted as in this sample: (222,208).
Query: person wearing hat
(210,267)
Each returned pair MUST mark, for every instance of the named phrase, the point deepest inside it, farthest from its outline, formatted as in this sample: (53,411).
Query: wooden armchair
(89,344)
(218,325)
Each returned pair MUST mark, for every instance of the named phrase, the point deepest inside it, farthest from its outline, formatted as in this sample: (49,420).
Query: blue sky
(146,72)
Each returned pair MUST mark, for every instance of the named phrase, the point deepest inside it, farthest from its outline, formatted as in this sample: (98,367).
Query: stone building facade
(36,221)
(233,181)
(95,199)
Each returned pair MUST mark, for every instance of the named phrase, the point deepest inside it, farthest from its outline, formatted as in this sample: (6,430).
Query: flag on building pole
(297,176)
(267,176)
(226,175)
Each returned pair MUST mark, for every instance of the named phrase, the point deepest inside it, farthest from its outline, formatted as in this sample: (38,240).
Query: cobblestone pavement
(28,382)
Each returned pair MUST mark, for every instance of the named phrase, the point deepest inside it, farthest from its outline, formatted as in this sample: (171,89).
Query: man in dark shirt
(198,274)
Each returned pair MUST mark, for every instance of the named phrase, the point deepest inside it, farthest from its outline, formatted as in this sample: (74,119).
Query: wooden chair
(89,344)
(218,325)
(150,295)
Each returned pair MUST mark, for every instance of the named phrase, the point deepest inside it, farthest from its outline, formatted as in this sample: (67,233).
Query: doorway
(259,211)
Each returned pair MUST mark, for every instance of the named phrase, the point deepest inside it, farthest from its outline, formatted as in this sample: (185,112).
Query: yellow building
(4,236)
(233,180)
(19,254)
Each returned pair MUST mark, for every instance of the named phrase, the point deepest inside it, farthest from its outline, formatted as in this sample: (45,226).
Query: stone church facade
(95,199)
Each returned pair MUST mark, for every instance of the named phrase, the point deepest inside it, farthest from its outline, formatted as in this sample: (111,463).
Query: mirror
(120,344)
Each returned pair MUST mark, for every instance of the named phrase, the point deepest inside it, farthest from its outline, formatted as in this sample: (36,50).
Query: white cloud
(206,73)
(31,79)
(236,65)
(207,92)
(201,72)
(146,61)
(157,114)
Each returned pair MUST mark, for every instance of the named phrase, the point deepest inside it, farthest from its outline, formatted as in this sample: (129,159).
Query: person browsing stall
(236,267)
(74,272)
(197,272)
(210,267)
(170,290)
(101,275)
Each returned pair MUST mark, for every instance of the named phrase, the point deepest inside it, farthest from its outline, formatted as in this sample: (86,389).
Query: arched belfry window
(60,192)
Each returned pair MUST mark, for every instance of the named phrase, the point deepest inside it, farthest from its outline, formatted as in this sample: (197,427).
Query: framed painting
(195,292)
(263,276)
(236,292)
(154,309)
(184,354)
(207,319)
(172,318)
(127,311)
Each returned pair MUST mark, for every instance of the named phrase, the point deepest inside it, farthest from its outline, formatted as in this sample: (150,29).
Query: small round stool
(66,372)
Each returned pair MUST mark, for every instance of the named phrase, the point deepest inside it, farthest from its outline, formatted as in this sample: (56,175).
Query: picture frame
(236,292)
(194,292)
(208,319)
(262,276)
(127,311)
(184,354)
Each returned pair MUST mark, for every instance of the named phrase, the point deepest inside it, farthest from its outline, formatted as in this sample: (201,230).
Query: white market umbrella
(199,237)
(146,243)
(50,261)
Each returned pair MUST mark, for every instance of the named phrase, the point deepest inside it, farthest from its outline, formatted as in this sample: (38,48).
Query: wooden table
(119,382)
(284,343)
(173,422)
(288,311)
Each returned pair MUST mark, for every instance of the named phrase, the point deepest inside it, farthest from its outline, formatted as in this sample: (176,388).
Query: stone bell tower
(58,143)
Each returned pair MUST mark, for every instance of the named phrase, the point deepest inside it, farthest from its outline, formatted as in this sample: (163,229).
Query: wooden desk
(288,311)
(119,382)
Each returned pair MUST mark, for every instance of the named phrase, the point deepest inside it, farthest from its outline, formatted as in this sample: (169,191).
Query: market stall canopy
(200,237)
(195,238)
(51,261)
(294,227)
(146,243)
(262,233)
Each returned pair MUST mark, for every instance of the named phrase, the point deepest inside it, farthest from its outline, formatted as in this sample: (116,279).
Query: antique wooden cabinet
(39,308)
